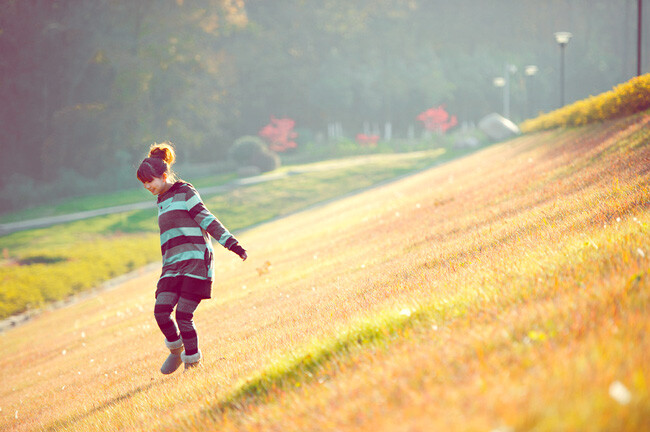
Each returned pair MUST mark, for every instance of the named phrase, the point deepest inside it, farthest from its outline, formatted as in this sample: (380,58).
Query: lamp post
(501,82)
(505,83)
(638,36)
(530,71)
(562,38)
(510,70)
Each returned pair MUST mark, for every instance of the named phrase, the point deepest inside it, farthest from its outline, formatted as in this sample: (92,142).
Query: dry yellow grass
(509,291)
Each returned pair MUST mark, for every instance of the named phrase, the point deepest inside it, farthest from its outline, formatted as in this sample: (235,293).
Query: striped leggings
(165,303)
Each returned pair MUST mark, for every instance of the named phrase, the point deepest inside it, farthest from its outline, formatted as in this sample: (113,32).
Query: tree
(108,77)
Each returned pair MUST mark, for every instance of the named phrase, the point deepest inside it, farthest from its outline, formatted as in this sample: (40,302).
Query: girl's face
(157,186)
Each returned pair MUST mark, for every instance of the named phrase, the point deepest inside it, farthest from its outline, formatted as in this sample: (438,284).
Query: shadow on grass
(64,424)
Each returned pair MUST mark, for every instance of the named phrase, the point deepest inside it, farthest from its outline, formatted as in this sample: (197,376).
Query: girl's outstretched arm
(209,222)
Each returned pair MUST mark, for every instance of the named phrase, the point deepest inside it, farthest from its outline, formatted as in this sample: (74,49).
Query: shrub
(623,100)
(280,134)
(251,150)
(47,276)
(244,147)
(265,161)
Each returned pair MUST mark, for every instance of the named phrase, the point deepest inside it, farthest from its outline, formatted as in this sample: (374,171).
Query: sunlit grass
(504,291)
(50,264)
(625,99)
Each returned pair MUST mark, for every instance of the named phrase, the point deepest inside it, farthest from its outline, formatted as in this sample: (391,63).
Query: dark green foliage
(252,151)
(265,161)
(243,149)
(88,85)
(41,259)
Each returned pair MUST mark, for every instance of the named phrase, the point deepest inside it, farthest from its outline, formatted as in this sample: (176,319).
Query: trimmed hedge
(251,150)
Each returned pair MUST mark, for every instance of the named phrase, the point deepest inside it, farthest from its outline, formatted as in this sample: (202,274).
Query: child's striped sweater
(185,229)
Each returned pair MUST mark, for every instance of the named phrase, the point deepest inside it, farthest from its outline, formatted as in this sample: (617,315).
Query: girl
(187,270)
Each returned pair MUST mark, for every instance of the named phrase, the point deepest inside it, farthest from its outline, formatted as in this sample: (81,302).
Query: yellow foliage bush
(625,99)
(64,271)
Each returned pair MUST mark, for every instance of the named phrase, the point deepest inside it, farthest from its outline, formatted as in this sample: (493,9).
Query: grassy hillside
(504,291)
(623,100)
(41,266)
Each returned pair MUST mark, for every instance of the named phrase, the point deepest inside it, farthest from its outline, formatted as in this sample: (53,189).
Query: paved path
(8,228)
(16,320)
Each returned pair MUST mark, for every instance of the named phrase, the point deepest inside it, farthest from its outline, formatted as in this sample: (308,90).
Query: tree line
(86,85)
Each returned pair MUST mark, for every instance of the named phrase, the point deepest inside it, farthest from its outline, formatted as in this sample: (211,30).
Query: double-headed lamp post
(500,82)
(530,71)
(562,38)
(509,70)
(505,83)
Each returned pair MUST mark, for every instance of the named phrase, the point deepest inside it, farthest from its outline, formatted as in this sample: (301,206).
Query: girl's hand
(239,251)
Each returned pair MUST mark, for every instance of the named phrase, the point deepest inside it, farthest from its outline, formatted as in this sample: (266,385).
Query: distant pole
(509,70)
(530,71)
(562,38)
(638,37)
(501,82)
(506,95)
(562,47)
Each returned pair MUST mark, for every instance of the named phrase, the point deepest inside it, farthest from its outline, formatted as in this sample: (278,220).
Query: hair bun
(163,151)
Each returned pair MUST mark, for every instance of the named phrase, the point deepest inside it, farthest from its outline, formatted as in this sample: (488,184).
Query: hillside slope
(504,291)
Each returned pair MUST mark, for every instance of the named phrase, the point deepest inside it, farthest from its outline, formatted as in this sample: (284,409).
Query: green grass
(511,298)
(94,202)
(48,264)
(374,331)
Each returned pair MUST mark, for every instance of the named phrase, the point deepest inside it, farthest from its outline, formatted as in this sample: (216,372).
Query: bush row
(42,278)
(625,99)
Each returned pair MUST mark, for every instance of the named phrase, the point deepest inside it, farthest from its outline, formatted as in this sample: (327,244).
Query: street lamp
(530,71)
(500,82)
(562,38)
(638,36)
(510,70)
(505,83)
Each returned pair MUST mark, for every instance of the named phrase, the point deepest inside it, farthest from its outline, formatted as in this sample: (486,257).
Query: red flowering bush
(367,140)
(279,134)
(437,120)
